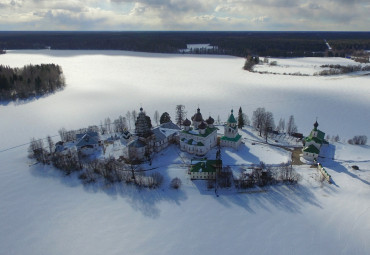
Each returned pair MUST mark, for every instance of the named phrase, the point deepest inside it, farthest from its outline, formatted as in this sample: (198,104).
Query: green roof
(231,118)
(200,144)
(320,135)
(237,137)
(208,166)
(190,141)
(311,149)
(315,139)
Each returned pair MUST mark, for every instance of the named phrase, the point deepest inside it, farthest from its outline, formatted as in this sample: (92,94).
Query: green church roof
(232,118)
(311,149)
(208,166)
(237,138)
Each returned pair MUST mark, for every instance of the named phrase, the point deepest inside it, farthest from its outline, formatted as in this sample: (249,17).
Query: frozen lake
(43,212)
(104,84)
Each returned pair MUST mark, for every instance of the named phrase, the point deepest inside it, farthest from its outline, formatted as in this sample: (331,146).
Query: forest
(242,44)
(30,81)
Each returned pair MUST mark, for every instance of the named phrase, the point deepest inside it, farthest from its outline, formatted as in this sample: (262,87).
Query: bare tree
(102,128)
(257,119)
(291,126)
(358,140)
(335,138)
(180,114)
(50,144)
(268,123)
(36,150)
(107,124)
(281,125)
(120,124)
(62,134)
(247,122)
(134,116)
(156,117)
(128,117)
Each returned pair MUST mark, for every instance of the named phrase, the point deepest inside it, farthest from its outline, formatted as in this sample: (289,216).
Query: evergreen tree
(240,119)
(165,117)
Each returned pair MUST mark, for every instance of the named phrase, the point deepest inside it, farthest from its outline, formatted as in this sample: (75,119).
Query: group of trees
(263,121)
(340,69)
(263,175)
(250,61)
(109,170)
(29,81)
(358,140)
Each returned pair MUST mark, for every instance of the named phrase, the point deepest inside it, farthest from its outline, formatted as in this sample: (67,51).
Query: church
(147,140)
(231,137)
(142,145)
(312,143)
(199,136)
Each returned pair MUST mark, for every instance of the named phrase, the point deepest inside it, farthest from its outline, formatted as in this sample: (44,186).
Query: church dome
(186,122)
(198,116)
(316,124)
(202,125)
(210,120)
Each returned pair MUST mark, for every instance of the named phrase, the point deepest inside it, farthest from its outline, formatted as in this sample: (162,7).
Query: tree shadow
(285,197)
(28,100)
(143,200)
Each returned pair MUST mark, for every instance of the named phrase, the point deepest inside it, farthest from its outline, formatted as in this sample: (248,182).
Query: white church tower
(231,136)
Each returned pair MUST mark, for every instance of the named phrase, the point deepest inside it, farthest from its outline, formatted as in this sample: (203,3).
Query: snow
(194,132)
(307,66)
(43,212)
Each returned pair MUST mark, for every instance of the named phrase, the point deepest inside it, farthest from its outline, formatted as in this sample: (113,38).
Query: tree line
(242,44)
(263,175)
(30,81)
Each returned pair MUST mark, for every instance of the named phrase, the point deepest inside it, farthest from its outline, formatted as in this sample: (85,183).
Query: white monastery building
(199,138)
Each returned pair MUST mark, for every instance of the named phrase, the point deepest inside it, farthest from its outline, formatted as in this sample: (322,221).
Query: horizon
(188,31)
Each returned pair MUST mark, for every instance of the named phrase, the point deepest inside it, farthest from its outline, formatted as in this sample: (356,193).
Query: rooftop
(208,166)
(311,149)
(237,138)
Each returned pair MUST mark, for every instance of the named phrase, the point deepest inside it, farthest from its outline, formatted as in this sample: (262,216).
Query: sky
(184,15)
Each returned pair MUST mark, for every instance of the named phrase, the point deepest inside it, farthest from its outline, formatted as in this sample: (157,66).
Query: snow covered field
(42,212)
(305,66)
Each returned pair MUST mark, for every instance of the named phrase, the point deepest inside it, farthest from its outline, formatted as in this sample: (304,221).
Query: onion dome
(210,120)
(316,124)
(198,116)
(202,125)
(186,122)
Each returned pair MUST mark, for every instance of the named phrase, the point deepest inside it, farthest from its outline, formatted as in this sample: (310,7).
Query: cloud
(185,14)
